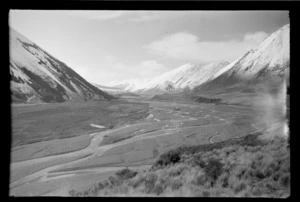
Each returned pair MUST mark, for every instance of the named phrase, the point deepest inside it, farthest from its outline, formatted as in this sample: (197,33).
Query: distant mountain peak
(270,60)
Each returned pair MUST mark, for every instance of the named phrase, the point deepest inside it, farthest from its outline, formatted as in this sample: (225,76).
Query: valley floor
(87,159)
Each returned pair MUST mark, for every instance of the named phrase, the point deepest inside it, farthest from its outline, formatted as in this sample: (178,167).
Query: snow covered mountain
(269,61)
(129,84)
(36,76)
(185,76)
(110,90)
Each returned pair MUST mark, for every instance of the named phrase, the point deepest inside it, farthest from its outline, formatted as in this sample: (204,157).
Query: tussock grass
(246,167)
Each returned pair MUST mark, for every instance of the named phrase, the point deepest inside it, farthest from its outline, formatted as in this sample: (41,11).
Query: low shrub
(257,191)
(206,194)
(259,175)
(285,180)
(135,182)
(176,184)
(198,161)
(125,174)
(240,187)
(214,168)
(168,158)
(72,192)
(114,181)
(150,182)
(176,170)
(276,176)
(157,189)
(174,156)
(223,180)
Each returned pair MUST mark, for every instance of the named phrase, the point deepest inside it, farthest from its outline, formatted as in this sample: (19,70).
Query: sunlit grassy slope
(246,167)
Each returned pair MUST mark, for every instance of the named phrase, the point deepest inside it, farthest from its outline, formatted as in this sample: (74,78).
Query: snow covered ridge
(36,76)
(270,58)
(270,61)
(187,75)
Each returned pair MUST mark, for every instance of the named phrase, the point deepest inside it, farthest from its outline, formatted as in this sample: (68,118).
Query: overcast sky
(103,46)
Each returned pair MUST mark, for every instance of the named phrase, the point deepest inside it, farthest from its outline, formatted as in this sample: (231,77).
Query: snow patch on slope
(226,68)
(187,75)
(272,54)
(16,72)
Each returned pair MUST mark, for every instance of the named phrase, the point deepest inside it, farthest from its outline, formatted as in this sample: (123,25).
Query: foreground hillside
(246,167)
(36,76)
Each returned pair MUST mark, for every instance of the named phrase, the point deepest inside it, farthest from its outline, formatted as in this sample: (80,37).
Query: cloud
(109,59)
(145,69)
(120,16)
(186,46)
(142,16)
(98,15)
(257,37)
(151,68)
(119,71)
(107,15)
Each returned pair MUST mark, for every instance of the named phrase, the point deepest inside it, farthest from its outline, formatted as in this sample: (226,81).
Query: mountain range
(36,76)
(269,61)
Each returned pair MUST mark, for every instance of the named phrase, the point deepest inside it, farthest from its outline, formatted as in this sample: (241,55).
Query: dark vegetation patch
(174,97)
(168,158)
(16,79)
(42,87)
(121,139)
(206,100)
(18,97)
(213,168)
(27,45)
(126,173)
(129,94)
(174,156)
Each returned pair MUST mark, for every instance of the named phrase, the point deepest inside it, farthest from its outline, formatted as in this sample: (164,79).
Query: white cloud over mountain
(187,46)
(145,69)
(121,16)
(120,70)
